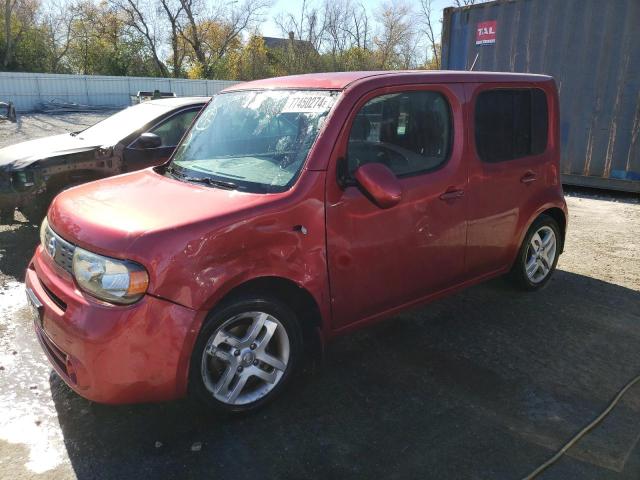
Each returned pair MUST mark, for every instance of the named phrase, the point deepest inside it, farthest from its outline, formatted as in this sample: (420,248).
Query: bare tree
(174,11)
(308,25)
(433,43)
(335,28)
(139,15)
(360,31)
(396,40)
(305,31)
(210,34)
(59,18)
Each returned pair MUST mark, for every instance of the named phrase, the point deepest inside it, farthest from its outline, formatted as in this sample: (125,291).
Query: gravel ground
(487,383)
(35,125)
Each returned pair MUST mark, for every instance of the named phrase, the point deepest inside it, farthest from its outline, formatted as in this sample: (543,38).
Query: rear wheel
(245,354)
(538,255)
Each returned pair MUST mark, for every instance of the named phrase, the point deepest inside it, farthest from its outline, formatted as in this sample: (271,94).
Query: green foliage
(104,37)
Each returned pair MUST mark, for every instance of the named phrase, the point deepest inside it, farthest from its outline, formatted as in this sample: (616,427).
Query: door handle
(529,177)
(452,194)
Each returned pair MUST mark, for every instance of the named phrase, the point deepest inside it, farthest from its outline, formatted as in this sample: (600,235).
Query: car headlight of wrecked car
(109,279)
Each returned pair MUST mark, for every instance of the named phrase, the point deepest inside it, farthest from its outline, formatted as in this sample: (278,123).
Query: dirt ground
(487,383)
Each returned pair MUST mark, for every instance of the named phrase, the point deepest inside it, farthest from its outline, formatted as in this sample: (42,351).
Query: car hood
(21,155)
(108,216)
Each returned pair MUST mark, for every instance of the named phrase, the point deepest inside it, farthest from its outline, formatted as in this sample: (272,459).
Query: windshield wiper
(209,181)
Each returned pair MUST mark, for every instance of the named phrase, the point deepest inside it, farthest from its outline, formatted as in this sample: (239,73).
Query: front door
(380,259)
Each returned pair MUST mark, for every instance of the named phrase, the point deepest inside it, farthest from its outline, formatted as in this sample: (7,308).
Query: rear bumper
(111,354)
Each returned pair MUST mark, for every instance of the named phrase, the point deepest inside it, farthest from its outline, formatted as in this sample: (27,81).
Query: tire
(533,268)
(232,368)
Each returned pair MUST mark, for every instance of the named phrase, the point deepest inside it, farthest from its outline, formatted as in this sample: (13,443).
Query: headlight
(109,279)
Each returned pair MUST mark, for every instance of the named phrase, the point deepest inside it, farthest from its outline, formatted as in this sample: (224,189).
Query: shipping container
(591,48)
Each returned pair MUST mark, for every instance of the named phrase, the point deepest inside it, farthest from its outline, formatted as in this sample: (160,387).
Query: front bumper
(111,354)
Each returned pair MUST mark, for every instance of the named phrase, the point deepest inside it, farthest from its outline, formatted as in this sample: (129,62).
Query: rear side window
(409,132)
(511,124)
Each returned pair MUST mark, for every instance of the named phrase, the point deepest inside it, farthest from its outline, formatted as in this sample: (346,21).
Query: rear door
(380,259)
(170,130)
(509,130)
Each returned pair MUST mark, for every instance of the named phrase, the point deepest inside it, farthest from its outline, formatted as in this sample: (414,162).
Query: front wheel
(538,255)
(245,354)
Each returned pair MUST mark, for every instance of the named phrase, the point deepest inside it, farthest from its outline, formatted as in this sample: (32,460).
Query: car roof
(178,101)
(341,80)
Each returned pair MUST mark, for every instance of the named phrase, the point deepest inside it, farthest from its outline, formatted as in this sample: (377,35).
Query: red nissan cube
(294,210)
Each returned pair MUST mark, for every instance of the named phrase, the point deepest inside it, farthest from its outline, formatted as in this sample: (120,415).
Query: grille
(60,250)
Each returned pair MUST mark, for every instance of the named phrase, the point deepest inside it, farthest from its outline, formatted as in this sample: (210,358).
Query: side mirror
(380,183)
(149,140)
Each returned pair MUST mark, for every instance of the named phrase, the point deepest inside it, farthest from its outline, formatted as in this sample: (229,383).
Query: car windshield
(122,124)
(255,141)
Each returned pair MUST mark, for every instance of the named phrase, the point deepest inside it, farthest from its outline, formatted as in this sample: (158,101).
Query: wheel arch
(552,210)
(295,296)
(559,216)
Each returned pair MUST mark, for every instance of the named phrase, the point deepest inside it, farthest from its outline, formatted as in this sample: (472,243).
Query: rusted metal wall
(592,48)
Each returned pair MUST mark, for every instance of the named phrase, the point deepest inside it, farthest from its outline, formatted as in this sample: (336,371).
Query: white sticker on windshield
(309,102)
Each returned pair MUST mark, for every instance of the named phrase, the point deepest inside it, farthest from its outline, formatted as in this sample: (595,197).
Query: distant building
(276,43)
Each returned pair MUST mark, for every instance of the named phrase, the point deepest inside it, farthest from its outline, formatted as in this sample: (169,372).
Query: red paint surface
(380,182)
(360,263)
(486,32)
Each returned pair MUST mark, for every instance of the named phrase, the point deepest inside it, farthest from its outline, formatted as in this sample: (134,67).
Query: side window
(409,132)
(511,124)
(172,130)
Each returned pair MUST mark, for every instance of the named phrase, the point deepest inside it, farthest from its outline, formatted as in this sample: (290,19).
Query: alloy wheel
(541,254)
(245,358)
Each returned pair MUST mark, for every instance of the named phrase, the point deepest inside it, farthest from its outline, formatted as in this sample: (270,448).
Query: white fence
(28,90)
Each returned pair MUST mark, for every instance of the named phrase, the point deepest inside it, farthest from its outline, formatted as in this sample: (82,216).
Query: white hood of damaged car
(21,155)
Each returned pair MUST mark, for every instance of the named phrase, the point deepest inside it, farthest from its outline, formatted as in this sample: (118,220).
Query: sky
(270,29)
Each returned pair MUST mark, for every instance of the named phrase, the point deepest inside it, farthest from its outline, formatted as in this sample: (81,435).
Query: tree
(140,15)
(18,17)
(252,62)
(58,21)
(174,11)
(212,34)
(433,43)
(396,41)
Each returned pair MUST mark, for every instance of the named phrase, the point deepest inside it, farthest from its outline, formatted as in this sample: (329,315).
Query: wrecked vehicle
(33,172)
